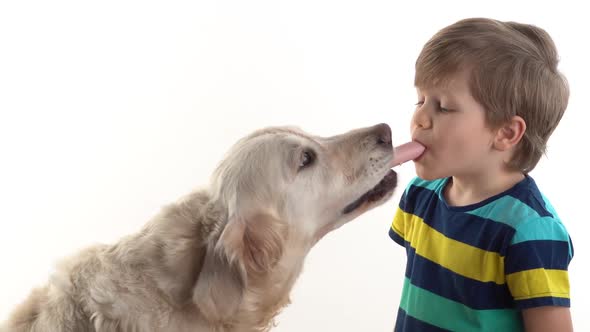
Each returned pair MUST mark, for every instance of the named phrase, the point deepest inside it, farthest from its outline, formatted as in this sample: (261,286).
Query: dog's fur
(223,258)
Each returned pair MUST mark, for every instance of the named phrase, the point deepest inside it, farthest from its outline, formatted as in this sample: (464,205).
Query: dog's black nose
(383,132)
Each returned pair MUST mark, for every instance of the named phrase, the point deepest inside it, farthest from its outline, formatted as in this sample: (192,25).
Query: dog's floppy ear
(247,247)
(222,280)
(264,239)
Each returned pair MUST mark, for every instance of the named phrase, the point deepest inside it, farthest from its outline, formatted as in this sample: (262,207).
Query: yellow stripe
(398,222)
(461,258)
(538,283)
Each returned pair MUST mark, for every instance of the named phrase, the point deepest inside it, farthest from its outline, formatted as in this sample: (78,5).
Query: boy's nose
(421,119)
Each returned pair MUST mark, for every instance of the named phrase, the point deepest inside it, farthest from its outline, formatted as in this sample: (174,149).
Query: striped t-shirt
(473,268)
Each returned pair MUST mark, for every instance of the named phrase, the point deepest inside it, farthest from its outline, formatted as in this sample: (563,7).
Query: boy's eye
(442,109)
(438,106)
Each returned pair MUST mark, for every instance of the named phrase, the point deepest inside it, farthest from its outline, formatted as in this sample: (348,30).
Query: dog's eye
(307,158)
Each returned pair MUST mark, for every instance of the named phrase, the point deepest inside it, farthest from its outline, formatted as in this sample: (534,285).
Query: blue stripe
(551,255)
(543,302)
(463,227)
(407,323)
(444,282)
(395,237)
(529,194)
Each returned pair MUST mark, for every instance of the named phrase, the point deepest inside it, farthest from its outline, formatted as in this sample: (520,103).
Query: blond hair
(513,71)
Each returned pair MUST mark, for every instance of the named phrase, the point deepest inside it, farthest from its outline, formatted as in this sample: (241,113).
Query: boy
(486,251)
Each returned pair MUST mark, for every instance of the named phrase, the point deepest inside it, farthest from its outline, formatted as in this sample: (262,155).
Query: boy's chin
(428,175)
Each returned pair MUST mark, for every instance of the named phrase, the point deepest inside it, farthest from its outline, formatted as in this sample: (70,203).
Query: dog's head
(312,183)
(281,183)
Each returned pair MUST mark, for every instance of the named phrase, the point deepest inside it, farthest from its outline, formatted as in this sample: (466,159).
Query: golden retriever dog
(223,258)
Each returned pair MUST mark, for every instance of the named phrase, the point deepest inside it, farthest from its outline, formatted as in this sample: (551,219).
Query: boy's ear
(510,133)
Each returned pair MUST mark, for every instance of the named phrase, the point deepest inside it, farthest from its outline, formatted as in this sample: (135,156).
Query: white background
(111,109)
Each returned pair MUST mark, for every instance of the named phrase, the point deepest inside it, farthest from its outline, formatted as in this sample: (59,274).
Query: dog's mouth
(384,187)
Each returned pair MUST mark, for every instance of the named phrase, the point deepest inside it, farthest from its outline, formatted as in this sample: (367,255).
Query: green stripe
(444,313)
(551,210)
(431,185)
(507,210)
(529,224)
(548,205)
(545,228)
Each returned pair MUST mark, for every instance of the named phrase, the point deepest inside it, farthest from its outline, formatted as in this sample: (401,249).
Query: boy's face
(452,126)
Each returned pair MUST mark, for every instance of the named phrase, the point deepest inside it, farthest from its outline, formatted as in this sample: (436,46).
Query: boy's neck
(471,189)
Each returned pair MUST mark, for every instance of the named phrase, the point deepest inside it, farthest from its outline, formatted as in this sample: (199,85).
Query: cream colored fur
(223,258)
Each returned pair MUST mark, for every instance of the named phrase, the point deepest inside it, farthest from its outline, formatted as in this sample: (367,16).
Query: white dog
(223,258)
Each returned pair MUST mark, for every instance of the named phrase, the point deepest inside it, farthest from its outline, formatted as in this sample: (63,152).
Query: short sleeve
(536,264)
(398,226)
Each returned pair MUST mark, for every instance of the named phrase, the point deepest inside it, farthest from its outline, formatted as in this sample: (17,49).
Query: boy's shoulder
(522,207)
(524,201)
(525,209)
